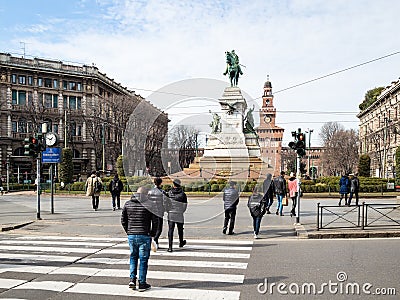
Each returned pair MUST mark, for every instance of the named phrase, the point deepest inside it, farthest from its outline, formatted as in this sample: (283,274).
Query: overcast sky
(146,45)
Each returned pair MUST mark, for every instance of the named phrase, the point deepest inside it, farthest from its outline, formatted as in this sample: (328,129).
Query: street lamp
(309,131)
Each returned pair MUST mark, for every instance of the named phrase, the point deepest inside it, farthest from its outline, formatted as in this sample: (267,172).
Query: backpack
(97,186)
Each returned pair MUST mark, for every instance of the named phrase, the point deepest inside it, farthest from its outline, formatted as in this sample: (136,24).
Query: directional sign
(51,155)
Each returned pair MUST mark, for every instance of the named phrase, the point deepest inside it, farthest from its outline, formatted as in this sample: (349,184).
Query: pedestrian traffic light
(31,146)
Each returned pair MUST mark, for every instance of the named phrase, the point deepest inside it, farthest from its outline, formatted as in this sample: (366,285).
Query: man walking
(354,188)
(268,190)
(280,191)
(115,187)
(93,188)
(176,204)
(136,220)
(156,198)
(231,200)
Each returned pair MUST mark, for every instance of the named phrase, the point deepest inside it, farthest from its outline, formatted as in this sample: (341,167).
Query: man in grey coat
(231,200)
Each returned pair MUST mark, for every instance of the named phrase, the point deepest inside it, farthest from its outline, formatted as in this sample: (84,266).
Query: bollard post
(318,216)
(363,215)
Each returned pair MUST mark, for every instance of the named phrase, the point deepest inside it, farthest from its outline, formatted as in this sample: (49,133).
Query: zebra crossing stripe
(181,252)
(197,247)
(33,257)
(75,238)
(56,286)
(221,241)
(154,292)
(49,249)
(10,283)
(26,268)
(52,243)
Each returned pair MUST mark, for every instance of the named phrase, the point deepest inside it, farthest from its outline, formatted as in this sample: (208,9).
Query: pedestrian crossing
(38,267)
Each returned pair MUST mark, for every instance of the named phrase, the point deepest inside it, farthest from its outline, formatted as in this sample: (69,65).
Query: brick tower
(270,135)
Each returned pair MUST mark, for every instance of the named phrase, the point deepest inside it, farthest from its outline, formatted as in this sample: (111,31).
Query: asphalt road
(266,268)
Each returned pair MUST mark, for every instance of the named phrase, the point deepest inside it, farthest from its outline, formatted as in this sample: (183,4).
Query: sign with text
(51,155)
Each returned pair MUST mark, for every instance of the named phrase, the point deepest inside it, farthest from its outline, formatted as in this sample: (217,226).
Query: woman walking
(257,206)
(293,185)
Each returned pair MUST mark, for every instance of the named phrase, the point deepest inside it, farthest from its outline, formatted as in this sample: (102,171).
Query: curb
(353,235)
(16,226)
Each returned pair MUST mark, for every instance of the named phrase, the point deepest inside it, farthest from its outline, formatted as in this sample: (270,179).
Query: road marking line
(154,292)
(26,268)
(33,257)
(10,283)
(180,253)
(69,243)
(75,238)
(198,247)
(57,286)
(50,249)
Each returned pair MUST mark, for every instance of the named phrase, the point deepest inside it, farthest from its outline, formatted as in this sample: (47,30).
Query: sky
(149,45)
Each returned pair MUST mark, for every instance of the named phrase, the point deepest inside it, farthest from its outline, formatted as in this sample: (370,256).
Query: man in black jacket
(280,191)
(115,187)
(156,198)
(136,220)
(176,204)
(231,200)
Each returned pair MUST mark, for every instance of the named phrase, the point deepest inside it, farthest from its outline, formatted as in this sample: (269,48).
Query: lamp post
(309,131)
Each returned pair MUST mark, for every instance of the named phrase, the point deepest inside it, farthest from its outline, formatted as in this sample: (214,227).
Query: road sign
(51,155)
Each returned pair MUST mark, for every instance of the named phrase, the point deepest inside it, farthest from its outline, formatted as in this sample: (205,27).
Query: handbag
(285,201)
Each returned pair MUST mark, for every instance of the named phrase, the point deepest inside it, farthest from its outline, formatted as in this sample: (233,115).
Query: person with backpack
(231,201)
(257,205)
(280,191)
(115,187)
(93,188)
(157,198)
(269,191)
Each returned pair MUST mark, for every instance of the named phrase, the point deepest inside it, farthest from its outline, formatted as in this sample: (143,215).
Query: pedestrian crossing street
(56,267)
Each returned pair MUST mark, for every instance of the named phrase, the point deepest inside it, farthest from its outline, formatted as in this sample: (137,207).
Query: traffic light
(301,144)
(31,146)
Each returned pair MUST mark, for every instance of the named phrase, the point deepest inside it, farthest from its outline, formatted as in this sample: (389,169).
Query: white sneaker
(154,246)
(255,236)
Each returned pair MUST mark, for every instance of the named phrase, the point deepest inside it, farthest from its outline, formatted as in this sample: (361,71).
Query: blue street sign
(51,155)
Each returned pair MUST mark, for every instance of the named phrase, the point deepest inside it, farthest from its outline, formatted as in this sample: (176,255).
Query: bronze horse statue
(233,67)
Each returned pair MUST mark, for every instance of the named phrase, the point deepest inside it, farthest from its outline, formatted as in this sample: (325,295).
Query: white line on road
(42,257)
(154,292)
(49,249)
(66,243)
(10,283)
(57,286)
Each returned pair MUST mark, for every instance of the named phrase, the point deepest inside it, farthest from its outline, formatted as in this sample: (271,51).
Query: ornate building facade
(270,135)
(379,130)
(87,109)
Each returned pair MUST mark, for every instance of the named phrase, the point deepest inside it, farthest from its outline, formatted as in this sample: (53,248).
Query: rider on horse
(233,67)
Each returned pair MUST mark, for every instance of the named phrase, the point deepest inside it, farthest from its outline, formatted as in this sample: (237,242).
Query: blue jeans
(256,224)
(139,246)
(279,207)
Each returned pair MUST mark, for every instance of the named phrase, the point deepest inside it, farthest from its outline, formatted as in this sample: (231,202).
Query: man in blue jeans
(138,222)
(280,191)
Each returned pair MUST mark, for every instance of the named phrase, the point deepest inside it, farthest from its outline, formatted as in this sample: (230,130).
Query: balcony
(19,135)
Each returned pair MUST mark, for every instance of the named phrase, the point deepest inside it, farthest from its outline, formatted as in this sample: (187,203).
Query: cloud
(149,44)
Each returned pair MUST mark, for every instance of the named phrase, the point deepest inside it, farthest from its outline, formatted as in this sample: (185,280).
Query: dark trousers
(116,196)
(95,202)
(159,229)
(171,227)
(345,199)
(351,197)
(230,215)
(256,224)
(294,202)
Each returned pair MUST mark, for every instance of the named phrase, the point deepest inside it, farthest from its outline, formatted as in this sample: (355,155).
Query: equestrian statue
(233,67)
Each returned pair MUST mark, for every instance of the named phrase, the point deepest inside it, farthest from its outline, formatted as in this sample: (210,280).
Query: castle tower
(270,135)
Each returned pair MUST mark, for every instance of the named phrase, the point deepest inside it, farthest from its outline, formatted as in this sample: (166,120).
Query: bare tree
(184,138)
(341,148)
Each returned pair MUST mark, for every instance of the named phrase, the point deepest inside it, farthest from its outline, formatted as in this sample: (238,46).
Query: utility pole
(309,131)
(103,142)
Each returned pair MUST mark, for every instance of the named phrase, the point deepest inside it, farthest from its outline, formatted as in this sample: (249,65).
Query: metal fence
(358,216)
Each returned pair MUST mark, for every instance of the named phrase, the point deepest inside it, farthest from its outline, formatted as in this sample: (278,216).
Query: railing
(358,216)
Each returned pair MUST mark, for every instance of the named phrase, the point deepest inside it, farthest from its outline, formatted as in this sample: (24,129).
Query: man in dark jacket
(354,188)
(115,187)
(136,220)
(231,200)
(156,198)
(176,204)
(280,191)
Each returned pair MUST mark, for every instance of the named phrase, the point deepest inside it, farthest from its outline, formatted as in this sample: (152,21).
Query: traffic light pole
(298,175)
(38,185)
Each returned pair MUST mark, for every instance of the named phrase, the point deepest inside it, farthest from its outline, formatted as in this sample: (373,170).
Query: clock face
(267,119)
(51,139)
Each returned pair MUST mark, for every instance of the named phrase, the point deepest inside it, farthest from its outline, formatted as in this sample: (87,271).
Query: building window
(47,83)
(14,97)
(13,78)
(40,81)
(73,128)
(30,80)
(78,103)
(79,130)
(22,79)
(55,101)
(22,98)
(72,102)
(22,125)
(72,85)
(55,83)
(55,128)
(65,84)
(79,86)
(14,126)
(47,100)
(65,102)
